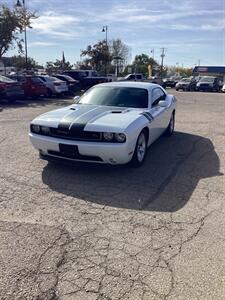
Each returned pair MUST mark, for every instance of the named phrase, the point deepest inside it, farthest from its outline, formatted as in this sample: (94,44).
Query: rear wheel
(170,129)
(140,150)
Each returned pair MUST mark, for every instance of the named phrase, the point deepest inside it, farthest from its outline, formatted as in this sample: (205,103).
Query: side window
(157,95)
(131,77)
(138,77)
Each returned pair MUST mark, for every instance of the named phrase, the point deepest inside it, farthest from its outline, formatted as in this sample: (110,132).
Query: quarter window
(157,95)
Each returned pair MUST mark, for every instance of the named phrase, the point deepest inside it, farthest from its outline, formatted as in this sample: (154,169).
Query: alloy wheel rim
(141,148)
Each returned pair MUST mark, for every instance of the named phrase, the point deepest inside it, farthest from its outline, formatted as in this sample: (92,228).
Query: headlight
(45,130)
(120,137)
(108,136)
(35,128)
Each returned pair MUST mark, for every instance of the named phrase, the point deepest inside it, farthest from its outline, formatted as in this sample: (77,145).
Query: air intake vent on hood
(116,111)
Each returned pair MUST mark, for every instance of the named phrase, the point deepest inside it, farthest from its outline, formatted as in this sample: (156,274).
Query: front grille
(75,135)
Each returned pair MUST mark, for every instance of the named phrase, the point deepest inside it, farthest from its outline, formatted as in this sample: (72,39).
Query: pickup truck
(87,78)
(141,77)
(133,77)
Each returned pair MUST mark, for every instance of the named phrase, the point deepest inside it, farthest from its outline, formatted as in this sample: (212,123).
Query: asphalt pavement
(88,232)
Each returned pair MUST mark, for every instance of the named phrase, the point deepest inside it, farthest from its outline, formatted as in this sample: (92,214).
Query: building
(218,71)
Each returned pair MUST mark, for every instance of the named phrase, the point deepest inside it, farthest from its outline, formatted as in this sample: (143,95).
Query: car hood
(183,83)
(89,118)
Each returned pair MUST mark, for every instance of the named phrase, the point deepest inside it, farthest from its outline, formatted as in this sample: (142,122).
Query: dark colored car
(169,83)
(73,85)
(87,78)
(10,89)
(186,84)
(209,84)
(33,87)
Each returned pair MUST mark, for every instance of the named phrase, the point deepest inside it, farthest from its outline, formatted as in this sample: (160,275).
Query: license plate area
(70,150)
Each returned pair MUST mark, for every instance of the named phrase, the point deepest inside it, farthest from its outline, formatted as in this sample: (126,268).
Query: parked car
(186,84)
(72,84)
(156,80)
(33,87)
(133,77)
(10,89)
(209,83)
(169,82)
(87,78)
(141,77)
(112,123)
(223,88)
(54,85)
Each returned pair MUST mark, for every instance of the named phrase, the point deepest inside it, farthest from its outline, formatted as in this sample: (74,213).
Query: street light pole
(25,30)
(105,29)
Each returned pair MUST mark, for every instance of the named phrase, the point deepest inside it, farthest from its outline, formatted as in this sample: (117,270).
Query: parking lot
(99,233)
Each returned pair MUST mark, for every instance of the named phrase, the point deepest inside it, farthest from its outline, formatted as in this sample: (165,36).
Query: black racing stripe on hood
(80,123)
(67,120)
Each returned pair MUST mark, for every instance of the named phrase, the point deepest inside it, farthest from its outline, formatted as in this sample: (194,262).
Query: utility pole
(23,6)
(199,62)
(153,51)
(105,29)
(162,56)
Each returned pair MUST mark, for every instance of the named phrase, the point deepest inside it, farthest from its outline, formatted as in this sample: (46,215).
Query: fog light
(112,161)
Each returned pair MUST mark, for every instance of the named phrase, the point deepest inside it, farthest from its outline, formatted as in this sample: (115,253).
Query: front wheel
(140,150)
(170,129)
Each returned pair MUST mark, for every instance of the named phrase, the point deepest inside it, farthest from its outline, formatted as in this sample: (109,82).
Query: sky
(192,31)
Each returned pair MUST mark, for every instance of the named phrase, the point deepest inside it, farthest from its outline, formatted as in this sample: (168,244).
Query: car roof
(135,84)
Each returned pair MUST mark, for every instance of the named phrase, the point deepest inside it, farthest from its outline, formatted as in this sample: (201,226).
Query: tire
(170,129)
(140,150)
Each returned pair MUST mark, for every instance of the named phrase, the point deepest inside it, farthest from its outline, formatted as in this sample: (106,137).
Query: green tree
(12,24)
(182,71)
(141,63)
(19,61)
(102,55)
(97,56)
(58,66)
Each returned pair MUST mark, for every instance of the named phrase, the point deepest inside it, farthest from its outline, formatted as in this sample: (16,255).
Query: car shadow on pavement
(165,182)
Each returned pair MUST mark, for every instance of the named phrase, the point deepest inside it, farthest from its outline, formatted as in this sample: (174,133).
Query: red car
(32,86)
(10,89)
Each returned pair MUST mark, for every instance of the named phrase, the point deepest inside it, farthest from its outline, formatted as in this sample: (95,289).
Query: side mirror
(163,103)
(76,99)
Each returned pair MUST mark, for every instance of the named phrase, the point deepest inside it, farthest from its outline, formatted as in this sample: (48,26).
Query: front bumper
(108,153)
(59,89)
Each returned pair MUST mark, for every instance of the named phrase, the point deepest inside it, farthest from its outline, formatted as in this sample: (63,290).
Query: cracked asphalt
(101,233)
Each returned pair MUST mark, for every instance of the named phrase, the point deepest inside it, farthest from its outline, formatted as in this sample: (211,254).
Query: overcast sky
(189,29)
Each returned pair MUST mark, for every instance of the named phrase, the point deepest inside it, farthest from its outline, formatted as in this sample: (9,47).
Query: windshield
(5,79)
(36,80)
(185,80)
(65,77)
(116,96)
(207,79)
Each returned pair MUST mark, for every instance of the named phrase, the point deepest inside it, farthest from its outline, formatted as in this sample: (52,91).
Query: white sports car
(112,123)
